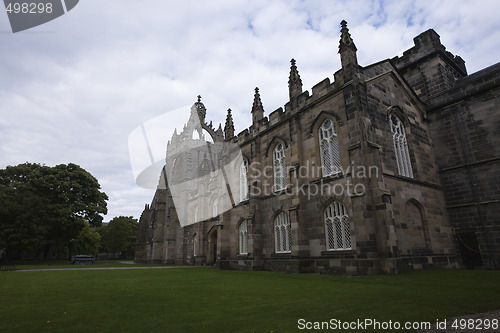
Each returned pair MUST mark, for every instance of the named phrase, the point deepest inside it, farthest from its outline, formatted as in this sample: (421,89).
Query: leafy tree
(44,208)
(87,242)
(119,236)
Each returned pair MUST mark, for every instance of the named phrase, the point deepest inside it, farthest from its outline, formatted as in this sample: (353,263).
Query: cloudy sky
(74,89)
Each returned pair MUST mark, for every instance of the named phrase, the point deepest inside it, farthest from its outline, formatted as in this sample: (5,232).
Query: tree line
(55,212)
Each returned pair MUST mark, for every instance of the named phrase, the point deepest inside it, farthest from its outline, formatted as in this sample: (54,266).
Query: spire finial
(294,81)
(345,36)
(229,128)
(347,51)
(256,99)
(199,98)
(257,108)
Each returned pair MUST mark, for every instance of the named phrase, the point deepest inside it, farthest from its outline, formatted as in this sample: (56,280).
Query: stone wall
(465,127)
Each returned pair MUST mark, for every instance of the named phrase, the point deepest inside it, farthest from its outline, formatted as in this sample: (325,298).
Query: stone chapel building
(390,167)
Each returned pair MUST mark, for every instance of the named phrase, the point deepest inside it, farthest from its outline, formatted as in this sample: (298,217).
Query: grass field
(209,300)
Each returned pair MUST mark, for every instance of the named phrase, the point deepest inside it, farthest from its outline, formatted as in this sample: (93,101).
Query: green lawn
(209,300)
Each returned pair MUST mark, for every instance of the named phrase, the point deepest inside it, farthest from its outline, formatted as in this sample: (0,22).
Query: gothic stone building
(390,167)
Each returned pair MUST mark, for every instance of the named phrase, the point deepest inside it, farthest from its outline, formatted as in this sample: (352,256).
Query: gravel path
(97,268)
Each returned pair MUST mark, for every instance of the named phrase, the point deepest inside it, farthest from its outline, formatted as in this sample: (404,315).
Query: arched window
(400,146)
(244,181)
(215,208)
(329,148)
(282,233)
(243,235)
(338,234)
(279,164)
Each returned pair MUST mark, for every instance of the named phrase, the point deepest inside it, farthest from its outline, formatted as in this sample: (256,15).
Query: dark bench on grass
(5,265)
(82,259)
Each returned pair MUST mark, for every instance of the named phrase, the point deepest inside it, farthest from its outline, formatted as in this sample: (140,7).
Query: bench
(82,259)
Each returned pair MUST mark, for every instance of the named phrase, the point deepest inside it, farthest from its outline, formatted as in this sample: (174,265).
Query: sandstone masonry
(390,167)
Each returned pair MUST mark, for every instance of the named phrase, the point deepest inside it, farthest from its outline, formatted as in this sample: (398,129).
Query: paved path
(97,268)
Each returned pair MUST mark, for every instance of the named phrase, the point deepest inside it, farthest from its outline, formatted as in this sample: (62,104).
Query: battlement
(428,68)
(427,44)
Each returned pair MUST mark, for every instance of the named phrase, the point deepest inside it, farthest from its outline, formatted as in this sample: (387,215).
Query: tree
(44,208)
(119,236)
(87,242)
